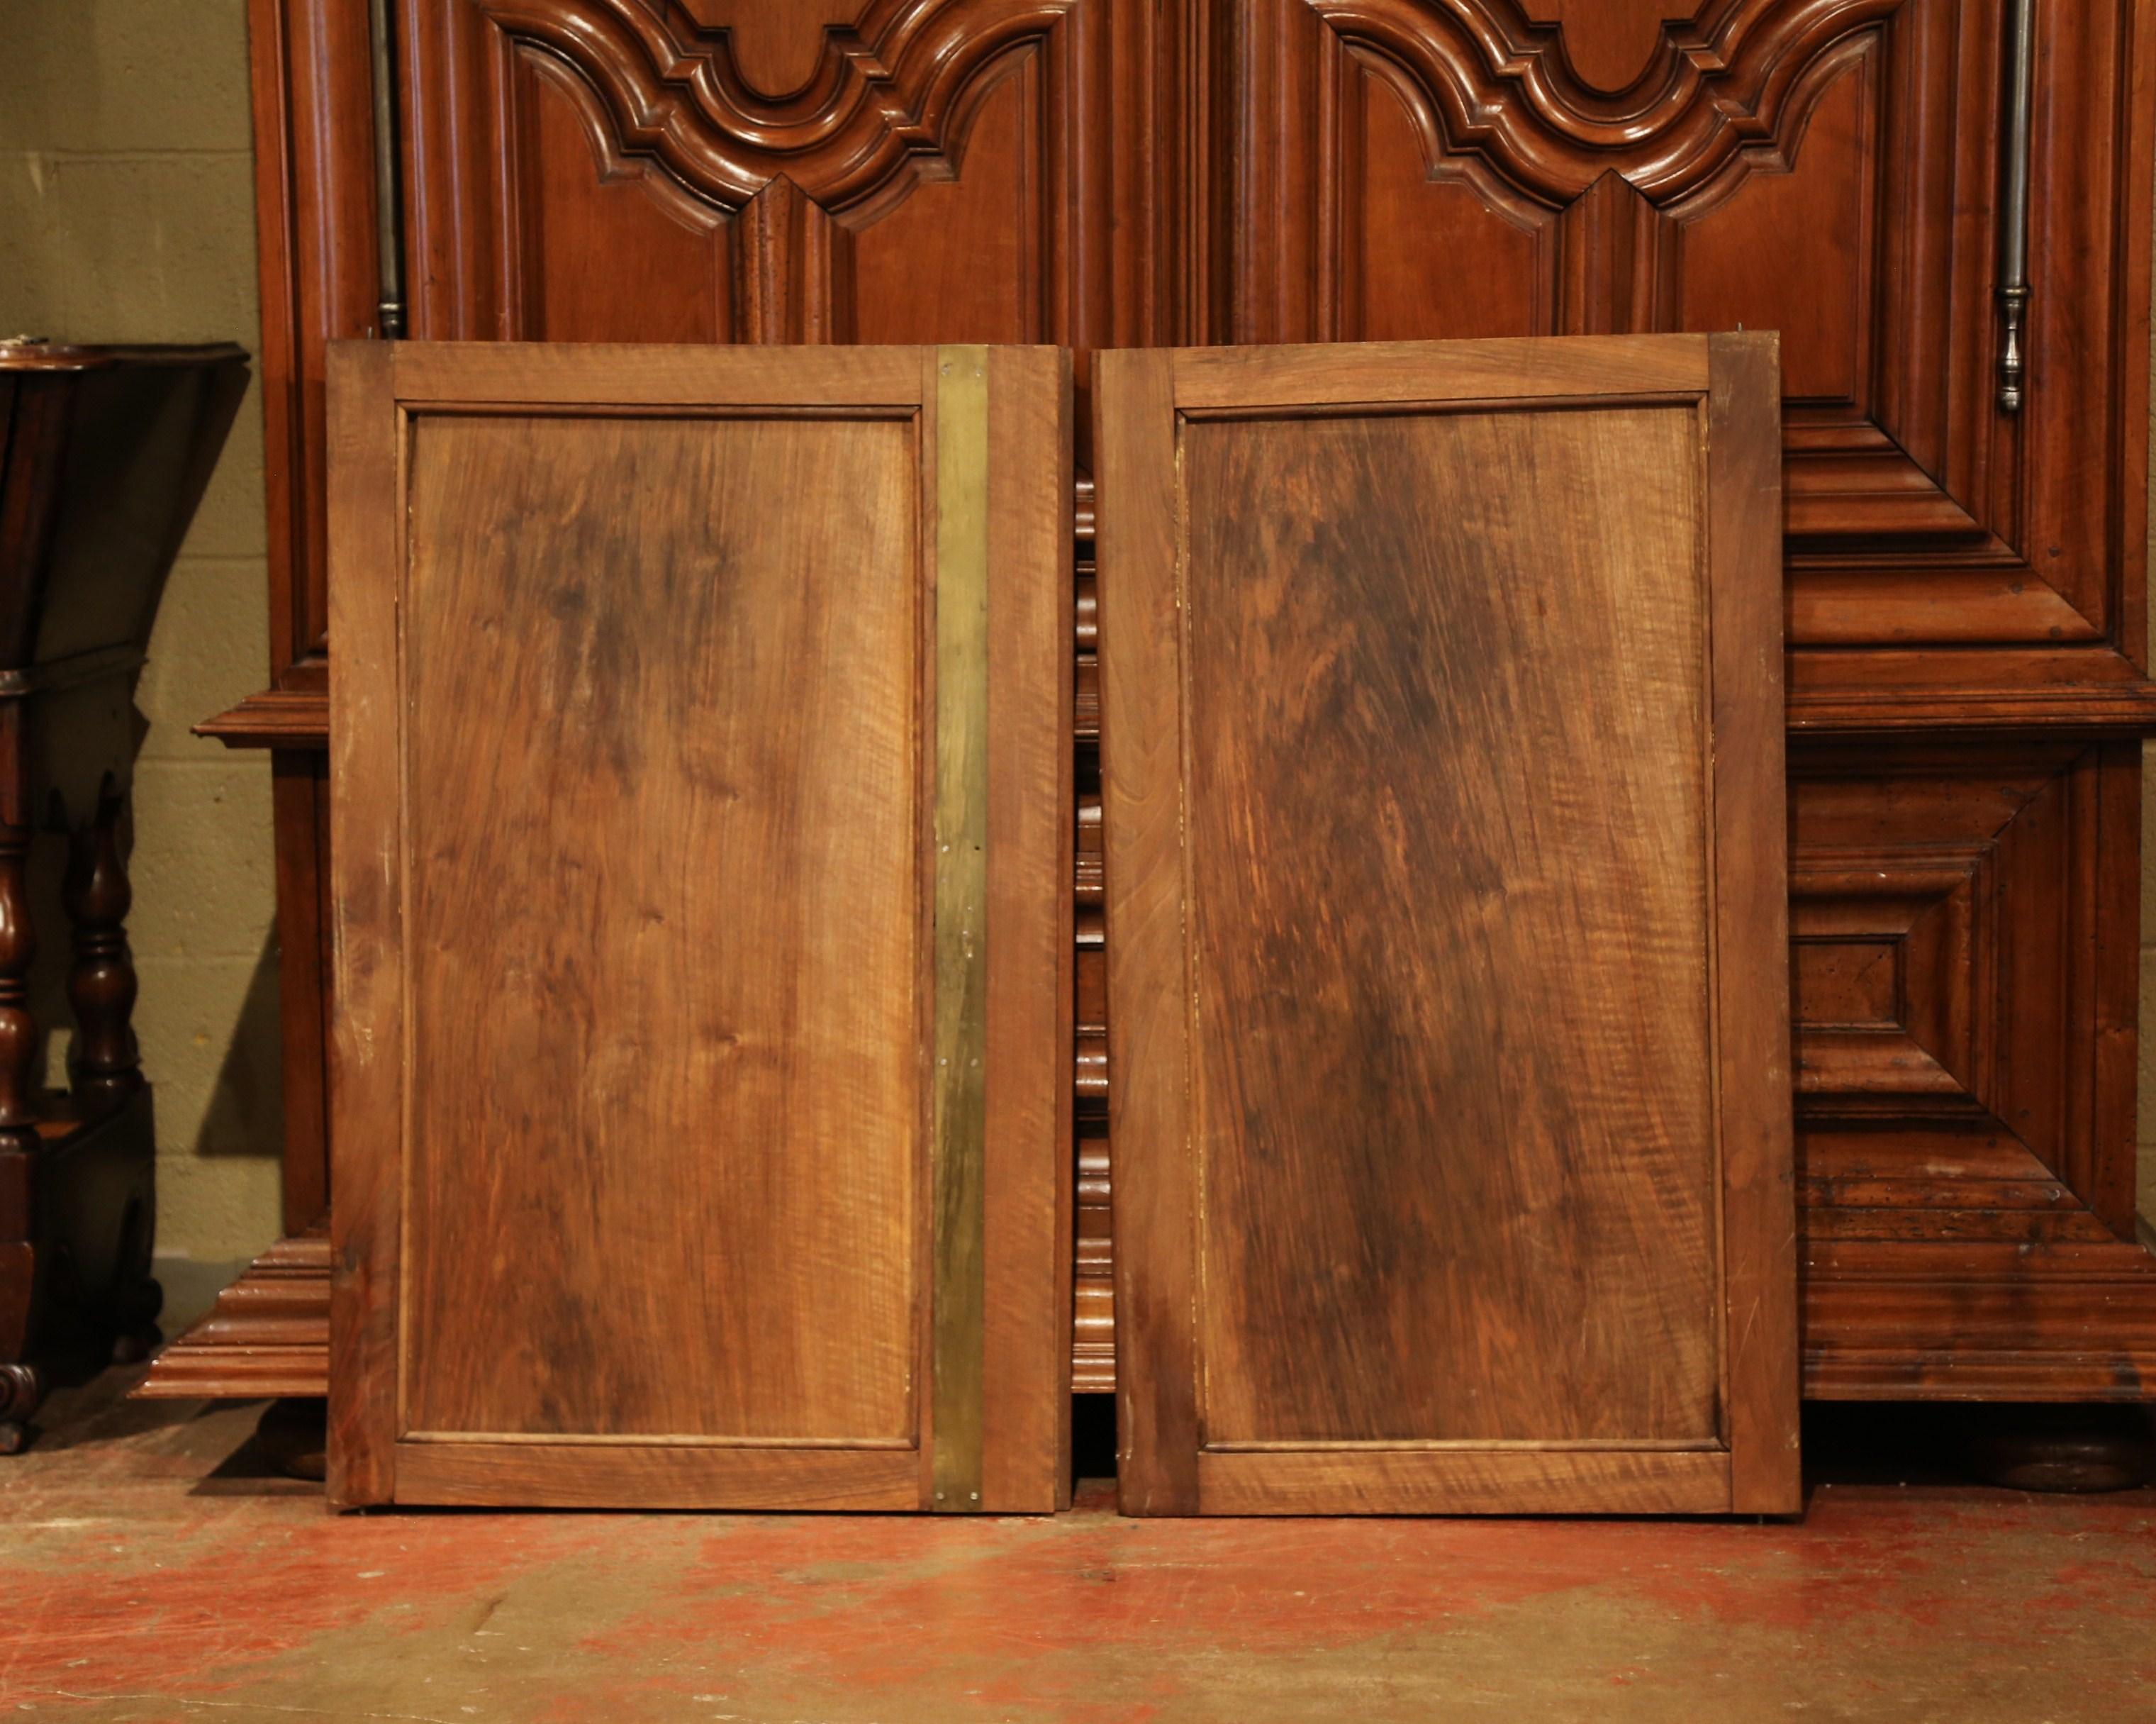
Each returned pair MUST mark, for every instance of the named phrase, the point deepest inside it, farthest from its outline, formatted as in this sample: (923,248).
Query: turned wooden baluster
(107,1066)
(19,942)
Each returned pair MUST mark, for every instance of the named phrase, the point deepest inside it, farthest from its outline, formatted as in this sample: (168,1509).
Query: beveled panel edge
(1468,1482)
(561,375)
(1510,369)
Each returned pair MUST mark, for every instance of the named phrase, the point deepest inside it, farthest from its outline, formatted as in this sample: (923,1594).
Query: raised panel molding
(1609,45)
(775,51)
(1503,89)
(1946,904)
(558,291)
(1887,947)
(888,99)
(775,187)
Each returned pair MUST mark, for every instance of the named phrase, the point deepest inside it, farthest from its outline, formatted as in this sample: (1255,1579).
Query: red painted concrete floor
(152,1568)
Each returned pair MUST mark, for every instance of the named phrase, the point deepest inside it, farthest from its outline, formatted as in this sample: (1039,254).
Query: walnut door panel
(703,1031)
(605,799)
(1421,169)
(1446,981)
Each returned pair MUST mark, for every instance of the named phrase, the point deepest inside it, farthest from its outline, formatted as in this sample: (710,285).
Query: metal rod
(2014,202)
(388,186)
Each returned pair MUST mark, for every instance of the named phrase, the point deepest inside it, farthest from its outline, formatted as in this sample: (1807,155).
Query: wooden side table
(103,456)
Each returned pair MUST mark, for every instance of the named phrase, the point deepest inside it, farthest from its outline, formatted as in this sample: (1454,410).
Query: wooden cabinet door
(701,780)
(1829,169)
(845,171)
(1448,988)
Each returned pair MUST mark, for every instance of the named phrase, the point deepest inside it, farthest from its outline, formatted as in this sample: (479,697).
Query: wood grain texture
(601,373)
(1322,170)
(1750,820)
(1479,1481)
(1155,1196)
(367,1090)
(668,1006)
(670,976)
(1241,378)
(1435,880)
(1449,952)
(1028,1183)
(575,1476)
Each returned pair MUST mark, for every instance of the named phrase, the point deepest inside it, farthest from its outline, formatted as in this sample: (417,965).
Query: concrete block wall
(127,213)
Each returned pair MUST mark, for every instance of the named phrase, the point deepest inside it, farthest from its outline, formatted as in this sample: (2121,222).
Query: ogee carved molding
(1503,87)
(889,99)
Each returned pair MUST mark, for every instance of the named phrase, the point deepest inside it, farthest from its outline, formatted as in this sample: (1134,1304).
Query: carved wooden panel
(891,172)
(1952,917)
(774,50)
(700,785)
(1606,45)
(1826,168)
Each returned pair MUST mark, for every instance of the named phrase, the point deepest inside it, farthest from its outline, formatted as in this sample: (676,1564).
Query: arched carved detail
(1500,86)
(1595,35)
(743,35)
(1538,53)
(1441,156)
(1778,154)
(609,163)
(889,103)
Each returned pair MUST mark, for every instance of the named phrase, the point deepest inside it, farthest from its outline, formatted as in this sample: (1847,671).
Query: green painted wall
(127,213)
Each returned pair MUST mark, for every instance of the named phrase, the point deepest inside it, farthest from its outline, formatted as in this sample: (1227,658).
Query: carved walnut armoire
(1942,206)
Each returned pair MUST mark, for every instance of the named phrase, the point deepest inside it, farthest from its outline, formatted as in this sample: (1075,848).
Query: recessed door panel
(1447,990)
(704,976)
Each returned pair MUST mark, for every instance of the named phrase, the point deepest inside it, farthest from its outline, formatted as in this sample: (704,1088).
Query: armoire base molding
(2059,1322)
(2070,1323)
(267,1334)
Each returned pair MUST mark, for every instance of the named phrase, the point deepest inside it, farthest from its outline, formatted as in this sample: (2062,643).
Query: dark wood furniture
(1960,278)
(103,454)
(700,791)
(1448,966)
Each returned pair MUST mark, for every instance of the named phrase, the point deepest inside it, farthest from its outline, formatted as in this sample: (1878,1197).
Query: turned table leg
(19,942)
(21,1385)
(107,1066)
